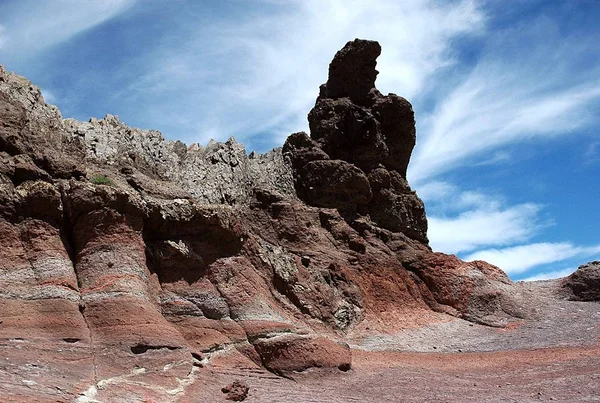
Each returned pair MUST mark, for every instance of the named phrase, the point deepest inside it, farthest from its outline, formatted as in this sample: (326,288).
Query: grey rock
(31,126)
(212,306)
(584,284)
(220,173)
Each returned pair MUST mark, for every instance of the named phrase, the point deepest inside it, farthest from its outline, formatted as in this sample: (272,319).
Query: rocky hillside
(126,252)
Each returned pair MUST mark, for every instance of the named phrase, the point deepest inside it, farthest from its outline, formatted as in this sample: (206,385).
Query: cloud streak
(550,275)
(518,259)
(483,227)
(32,26)
(258,81)
(2,37)
(461,221)
(514,93)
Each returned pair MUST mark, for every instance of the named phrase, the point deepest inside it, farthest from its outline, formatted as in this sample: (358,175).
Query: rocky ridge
(135,252)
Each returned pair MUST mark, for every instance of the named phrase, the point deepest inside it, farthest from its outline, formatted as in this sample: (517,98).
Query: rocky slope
(143,261)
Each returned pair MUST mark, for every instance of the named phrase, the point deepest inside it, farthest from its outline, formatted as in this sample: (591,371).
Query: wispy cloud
(549,275)
(48,95)
(461,221)
(518,259)
(257,81)
(35,25)
(481,227)
(527,84)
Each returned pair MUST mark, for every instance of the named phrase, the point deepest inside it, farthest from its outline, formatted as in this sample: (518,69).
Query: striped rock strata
(129,263)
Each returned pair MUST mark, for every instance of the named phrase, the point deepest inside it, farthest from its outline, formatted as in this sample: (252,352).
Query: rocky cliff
(140,261)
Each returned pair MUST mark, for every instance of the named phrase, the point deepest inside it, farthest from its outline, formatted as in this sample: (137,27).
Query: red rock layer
(143,285)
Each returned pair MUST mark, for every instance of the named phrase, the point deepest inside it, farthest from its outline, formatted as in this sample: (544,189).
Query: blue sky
(506,96)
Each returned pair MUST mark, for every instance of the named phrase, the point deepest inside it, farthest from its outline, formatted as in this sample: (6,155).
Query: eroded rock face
(33,128)
(584,284)
(362,141)
(145,260)
(220,173)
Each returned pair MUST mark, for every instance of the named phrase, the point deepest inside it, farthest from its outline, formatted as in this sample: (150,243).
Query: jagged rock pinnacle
(359,147)
(352,71)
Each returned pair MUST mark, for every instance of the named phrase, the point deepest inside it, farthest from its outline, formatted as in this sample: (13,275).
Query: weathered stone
(348,132)
(220,173)
(397,121)
(372,133)
(335,184)
(286,354)
(236,391)
(402,212)
(584,283)
(352,71)
(148,254)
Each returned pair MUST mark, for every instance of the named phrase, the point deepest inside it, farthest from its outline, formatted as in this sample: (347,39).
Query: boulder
(584,283)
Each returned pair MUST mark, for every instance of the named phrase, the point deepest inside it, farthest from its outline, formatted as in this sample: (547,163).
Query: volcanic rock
(236,391)
(352,71)
(372,134)
(145,261)
(285,354)
(584,283)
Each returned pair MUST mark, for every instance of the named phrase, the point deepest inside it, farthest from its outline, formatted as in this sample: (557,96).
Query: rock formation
(359,148)
(124,250)
(584,283)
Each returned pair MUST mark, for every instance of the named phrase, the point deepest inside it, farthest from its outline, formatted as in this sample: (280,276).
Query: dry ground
(554,356)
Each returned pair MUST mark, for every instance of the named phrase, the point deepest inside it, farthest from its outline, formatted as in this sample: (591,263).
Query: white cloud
(461,221)
(526,85)
(435,190)
(592,154)
(36,25)
(257,78)
(549,275)
(483,227)
(518,259)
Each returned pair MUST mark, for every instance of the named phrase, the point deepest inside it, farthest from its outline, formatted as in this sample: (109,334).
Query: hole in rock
(71,339)
(183,253)
(345,367)
(142,348)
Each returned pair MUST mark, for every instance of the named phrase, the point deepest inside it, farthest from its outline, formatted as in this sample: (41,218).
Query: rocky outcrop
(220,173)
(129,251)
(359,147)
(35,131)
(584,283)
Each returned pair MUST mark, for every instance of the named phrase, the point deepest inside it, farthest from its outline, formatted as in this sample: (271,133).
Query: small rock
(236,391)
